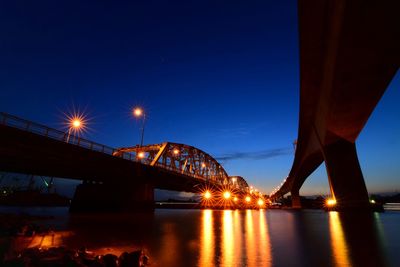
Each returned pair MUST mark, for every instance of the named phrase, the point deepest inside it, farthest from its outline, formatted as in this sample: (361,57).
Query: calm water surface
(233,237)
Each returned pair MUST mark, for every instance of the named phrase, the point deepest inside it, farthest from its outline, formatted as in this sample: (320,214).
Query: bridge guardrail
(36,128)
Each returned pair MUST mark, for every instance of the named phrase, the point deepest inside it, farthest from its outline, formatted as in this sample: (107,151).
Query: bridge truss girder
(186,160)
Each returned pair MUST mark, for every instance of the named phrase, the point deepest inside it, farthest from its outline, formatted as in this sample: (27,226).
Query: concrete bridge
(114,179)
(349,53)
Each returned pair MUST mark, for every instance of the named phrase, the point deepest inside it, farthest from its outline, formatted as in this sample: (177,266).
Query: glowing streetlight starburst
(137,112)
(331,202)
(227,195)
(76,123)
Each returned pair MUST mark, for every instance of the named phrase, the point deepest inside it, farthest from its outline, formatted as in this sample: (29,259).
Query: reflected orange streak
(53,239)
(170,246)
(227,239)
(207,239)
(339,246)
(237,233)
(250,240)
(265,245)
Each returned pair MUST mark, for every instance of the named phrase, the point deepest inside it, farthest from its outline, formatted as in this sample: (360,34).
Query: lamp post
(138,112)
(75,124)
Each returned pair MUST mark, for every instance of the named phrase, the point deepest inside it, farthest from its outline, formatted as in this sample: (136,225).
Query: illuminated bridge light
(76,123)
(248,199)
(227,195)
(331,202)
(235,199)
(207,195)
(260,202)
(141,155)
(176,151)
(138,112)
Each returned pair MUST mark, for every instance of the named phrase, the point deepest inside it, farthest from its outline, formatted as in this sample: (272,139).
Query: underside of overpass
(349,53)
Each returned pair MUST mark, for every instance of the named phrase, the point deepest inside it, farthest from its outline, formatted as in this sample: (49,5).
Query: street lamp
(139,112)
(75,124)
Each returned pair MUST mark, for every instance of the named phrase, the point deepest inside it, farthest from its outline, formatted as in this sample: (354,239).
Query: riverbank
(24,241)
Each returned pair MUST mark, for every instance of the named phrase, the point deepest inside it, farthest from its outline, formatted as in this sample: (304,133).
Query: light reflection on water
(339,246)
(207,239)
(237,237)
(251,252)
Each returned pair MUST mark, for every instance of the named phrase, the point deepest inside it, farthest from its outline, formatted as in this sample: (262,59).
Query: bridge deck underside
(349,53)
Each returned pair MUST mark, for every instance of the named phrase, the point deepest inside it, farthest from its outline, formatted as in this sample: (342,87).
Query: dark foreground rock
(61,256)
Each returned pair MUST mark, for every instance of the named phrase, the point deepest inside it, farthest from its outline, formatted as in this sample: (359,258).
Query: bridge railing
(36,128)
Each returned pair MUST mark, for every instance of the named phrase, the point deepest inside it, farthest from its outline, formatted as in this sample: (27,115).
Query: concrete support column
(296,203)
(345,175)
(112,197)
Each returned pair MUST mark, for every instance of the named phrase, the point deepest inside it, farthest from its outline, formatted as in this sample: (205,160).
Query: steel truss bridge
(31,148)
(183,159)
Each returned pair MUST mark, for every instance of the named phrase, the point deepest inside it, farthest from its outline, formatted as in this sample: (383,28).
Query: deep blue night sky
(221,76)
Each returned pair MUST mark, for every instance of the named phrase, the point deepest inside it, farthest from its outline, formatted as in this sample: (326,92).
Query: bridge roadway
(115,179)
(349,53)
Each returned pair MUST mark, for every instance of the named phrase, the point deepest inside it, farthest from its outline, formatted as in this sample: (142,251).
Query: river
(231,237)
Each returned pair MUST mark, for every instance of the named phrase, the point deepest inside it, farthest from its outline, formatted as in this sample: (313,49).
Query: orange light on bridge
(137,112)
(207,195)
(248,199)
(203,165)
(227,195)
(140,155)
(176,151)
(235,199)
(76,123)
(260,202)
(331,202)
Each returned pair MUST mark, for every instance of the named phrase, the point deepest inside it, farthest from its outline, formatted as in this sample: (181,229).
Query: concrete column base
(112,198)
(296,203)
(345,175)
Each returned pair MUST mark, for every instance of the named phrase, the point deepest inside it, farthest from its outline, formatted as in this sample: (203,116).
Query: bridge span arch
(186,160)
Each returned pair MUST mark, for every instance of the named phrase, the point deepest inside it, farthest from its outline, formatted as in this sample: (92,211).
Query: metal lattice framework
(184,159)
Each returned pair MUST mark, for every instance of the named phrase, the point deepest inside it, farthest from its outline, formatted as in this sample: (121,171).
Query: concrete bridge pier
(345,175)
(296,203)
(113,197)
